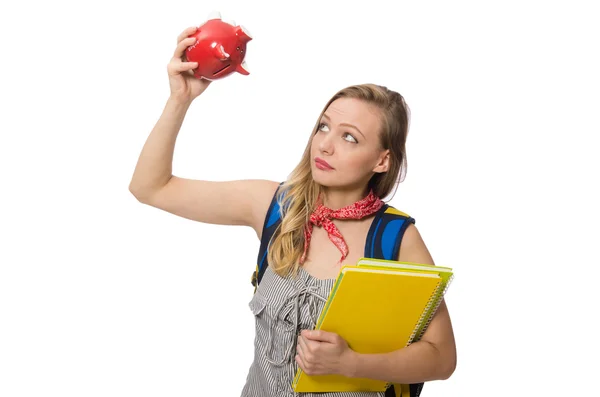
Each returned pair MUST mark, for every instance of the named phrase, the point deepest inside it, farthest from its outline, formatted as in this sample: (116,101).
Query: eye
(321,126)
(347,134)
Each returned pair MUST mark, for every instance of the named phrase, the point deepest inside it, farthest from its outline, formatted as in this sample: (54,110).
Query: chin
(319,178)
(326,180)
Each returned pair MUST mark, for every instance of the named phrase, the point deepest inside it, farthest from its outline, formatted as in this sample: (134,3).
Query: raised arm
(241,202)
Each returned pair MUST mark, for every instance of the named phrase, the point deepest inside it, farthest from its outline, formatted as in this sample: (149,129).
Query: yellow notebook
(445,273)
(375,311)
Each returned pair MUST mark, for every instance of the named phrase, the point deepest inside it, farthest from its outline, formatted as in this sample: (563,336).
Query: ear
(384,162)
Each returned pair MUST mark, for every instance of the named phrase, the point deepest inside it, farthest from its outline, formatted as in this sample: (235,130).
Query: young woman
(354,158)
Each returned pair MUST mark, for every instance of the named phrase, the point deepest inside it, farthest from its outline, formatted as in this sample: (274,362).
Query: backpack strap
(272,222)
(383,242)
(397,390)
(385,234)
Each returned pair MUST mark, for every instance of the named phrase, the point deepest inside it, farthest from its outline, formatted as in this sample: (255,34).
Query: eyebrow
(346,125)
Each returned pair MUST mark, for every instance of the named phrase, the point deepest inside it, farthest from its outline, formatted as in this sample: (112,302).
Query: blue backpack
(383,242)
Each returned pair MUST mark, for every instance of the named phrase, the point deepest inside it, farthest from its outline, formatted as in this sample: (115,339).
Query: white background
(103,296)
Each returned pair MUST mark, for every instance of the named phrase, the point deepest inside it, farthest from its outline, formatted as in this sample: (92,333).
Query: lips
(323,163)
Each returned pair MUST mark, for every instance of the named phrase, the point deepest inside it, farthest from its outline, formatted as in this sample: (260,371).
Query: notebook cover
(445,273)
(375,311)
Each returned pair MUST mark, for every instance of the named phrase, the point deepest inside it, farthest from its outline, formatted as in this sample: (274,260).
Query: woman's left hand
(324,353)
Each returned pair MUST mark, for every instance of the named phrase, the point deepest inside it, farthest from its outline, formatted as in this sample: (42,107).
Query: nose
(326,145)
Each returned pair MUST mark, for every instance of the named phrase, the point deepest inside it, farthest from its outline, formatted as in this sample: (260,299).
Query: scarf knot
(322,217)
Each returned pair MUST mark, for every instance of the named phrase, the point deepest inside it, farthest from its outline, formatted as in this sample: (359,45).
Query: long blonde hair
(297,196)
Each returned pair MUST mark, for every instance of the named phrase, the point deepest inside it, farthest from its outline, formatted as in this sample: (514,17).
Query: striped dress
(282,308)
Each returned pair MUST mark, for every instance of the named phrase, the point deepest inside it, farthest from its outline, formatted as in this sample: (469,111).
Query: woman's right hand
(184,85)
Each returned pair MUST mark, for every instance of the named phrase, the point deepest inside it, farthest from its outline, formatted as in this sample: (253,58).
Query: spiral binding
(437,298)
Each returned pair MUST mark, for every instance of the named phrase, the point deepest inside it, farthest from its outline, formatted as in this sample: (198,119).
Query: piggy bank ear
(214,15)
(243,34)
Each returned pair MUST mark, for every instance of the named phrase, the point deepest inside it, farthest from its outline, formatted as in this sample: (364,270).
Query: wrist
(179,101)
(350,364)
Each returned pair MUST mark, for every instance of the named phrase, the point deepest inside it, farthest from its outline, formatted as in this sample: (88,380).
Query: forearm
(154,166)
(418,362)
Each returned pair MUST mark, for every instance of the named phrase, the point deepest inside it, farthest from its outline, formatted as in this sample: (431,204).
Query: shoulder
(266,189)
(413,248)
(264,199)
(259,193)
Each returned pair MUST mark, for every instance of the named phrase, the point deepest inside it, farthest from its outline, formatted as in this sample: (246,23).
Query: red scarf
(322,216)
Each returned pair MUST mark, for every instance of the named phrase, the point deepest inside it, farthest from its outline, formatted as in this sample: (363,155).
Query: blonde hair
(298,194)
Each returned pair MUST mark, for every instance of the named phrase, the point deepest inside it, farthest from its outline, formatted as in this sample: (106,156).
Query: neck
(336,198)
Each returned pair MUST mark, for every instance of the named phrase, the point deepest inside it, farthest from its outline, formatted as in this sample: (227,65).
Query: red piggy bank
(219,49)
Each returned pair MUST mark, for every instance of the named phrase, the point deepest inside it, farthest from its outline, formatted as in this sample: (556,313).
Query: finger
(180,49)
(299,351)
(180,67)
(300,363)
(186,33)
(304,348)
(321,336)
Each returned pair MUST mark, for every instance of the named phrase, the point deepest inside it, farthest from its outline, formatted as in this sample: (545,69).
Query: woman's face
(346,149)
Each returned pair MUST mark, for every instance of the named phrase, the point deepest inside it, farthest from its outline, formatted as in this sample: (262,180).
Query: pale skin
(355,155)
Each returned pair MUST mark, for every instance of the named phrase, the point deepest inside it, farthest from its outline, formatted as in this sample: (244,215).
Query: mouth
(322,164)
